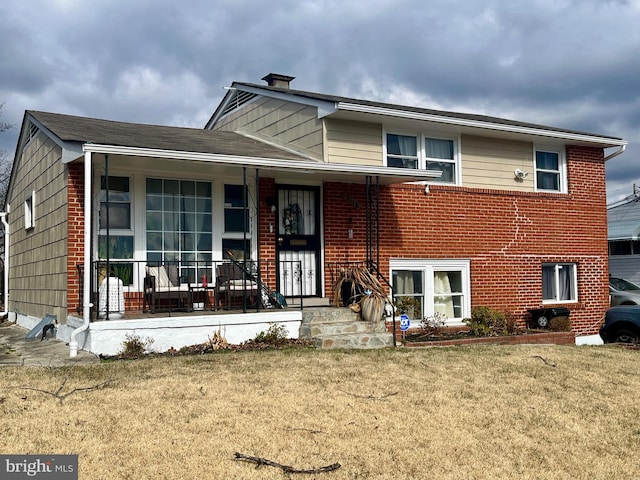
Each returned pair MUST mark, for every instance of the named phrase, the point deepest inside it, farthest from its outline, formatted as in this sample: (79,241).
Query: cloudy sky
(571,64)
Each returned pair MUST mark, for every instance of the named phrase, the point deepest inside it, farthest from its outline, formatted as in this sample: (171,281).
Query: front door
(298,240)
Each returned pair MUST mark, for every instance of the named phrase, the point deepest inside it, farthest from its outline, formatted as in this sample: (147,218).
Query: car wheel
(542,321)
(625,336)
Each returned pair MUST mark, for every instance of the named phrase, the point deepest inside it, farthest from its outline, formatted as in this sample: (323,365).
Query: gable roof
(81,130)
(333,104)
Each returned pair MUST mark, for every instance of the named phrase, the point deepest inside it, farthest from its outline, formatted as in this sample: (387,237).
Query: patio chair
(164,289)
(233,284)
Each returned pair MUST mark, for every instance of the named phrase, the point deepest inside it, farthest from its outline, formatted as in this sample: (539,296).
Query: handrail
(374,267)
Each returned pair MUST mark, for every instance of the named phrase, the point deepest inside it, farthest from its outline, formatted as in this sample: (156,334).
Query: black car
(621,325)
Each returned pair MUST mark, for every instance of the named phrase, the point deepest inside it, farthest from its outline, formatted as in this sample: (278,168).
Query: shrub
(276,335)
(560,324)
(434,324)
(487,321)
(134,347)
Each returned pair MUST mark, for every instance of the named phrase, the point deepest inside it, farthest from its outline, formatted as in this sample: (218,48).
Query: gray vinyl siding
(38,259)
(286,124)
(354,142)
(491,163)
(625,266)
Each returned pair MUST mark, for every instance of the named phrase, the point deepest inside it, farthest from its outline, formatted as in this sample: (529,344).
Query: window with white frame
(424,288)
(115,236)
(29,211)
(549,170)
(423,152)
(236,222)
(179,225)
(559,282)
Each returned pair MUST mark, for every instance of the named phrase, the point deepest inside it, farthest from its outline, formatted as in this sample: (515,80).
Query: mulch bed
(451,338)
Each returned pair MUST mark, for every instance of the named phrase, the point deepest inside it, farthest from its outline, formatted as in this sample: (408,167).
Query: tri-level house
(449,210)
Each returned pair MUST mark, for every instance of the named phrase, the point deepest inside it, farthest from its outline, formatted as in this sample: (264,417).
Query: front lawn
(464,412)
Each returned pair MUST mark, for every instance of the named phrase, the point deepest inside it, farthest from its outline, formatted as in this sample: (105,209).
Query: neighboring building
(453,209)
(624,239)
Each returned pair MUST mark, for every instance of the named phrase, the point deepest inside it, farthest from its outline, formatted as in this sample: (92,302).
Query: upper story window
(402,151)
(550,170)
(423,152)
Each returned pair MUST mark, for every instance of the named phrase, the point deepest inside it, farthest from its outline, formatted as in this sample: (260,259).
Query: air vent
(238,99)
(31,132)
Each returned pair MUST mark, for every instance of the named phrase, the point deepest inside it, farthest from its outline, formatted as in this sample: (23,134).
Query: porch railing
(185,286)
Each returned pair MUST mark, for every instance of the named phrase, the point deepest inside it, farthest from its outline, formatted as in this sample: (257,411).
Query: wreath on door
(292,219)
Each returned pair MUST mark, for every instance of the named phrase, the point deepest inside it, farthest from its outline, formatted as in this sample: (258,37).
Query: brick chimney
(277,80)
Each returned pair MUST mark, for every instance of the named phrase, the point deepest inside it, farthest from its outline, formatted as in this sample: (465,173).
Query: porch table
(201,294)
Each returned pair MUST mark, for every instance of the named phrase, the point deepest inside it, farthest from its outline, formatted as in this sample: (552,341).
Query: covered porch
(193,214)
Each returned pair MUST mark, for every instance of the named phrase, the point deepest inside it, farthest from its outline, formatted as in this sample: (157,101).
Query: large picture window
(179,225)
(559,282)
(424,288)
(423,152)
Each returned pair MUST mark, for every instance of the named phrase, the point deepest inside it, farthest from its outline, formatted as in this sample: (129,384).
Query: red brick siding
(266,235)
(507,235)
(75,235)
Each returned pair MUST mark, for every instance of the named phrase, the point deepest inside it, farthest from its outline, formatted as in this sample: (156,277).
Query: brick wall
(507,235)
(266,236)
(75,238)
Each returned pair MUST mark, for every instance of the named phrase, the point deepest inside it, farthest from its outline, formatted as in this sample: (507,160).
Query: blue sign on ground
(405,323)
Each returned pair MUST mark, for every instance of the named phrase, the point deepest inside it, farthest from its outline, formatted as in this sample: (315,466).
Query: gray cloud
(571,64)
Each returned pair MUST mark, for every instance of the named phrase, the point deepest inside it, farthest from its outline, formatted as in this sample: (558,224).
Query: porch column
(86,282)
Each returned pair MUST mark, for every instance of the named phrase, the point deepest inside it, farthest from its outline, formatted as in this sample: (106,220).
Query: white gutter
(298,166)
(616,153)
(467,122)
(3,218)
(86,292)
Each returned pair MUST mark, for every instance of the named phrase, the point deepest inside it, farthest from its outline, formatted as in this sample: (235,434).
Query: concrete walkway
(15,350)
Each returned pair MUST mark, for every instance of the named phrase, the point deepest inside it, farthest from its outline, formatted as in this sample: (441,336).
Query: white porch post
(86,286)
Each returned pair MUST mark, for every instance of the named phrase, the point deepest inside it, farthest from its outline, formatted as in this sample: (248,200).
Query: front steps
(333,327)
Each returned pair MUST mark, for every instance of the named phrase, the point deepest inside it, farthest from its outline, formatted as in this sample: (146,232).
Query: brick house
(452,209)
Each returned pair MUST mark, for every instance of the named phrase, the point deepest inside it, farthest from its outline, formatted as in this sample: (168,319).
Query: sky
(569,64)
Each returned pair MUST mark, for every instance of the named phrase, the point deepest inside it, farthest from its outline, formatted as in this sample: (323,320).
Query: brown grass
(473,413)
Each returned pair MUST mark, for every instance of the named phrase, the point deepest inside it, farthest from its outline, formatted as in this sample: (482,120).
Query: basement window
(432,287)
(559,282)
(29,211)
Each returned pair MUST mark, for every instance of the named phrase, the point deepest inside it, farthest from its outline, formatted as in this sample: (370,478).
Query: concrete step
(331,327)
(354,340)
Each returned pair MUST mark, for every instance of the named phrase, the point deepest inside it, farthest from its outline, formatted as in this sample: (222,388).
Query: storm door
(298,240)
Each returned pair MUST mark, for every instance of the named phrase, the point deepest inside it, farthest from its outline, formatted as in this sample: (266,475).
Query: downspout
(86,293)
(3,218)
(616,153)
